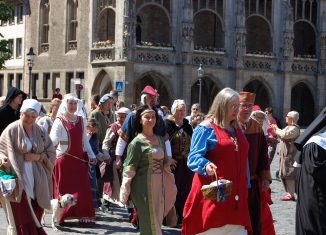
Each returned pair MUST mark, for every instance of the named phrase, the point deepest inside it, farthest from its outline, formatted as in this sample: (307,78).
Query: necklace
(234,139)
(72,120)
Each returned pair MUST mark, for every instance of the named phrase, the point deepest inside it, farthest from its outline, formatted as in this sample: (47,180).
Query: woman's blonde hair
(54,102)
(218,110)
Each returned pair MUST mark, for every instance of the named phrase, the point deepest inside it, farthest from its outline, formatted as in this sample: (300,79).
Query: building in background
(13,30)
(275,48)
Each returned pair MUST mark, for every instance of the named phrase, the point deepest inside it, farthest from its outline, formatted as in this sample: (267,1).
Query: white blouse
(28,176)
(59,137)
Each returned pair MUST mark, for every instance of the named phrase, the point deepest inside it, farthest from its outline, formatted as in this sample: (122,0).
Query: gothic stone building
(275,48)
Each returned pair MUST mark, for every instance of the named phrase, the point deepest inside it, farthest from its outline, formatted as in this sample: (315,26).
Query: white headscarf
(31,104)
(265,123)
(81,111)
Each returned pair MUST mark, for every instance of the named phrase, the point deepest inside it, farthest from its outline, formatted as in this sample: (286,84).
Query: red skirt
(24,221)
(71,176)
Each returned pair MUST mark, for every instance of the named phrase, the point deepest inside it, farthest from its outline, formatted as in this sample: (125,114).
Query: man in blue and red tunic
(258,158)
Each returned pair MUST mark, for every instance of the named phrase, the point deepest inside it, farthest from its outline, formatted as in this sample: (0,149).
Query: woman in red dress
(218,145)
(74,153)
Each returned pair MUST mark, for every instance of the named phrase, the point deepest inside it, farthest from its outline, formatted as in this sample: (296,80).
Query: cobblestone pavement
(117,223)
(283,212)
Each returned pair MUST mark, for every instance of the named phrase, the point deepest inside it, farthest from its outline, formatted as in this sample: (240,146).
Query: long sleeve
(58,132)
(289,132)
(130,167)
(203,140)
(120,147)
(107,142)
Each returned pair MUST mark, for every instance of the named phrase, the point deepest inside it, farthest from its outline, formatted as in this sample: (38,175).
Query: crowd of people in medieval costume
(154,161)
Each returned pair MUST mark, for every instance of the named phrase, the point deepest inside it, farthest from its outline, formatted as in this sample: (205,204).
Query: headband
(147,111)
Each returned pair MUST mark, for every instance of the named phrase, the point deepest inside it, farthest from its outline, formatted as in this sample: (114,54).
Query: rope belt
(73,156)
(157,166)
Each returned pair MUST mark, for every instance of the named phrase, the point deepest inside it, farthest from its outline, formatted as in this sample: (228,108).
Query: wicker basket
(211,191)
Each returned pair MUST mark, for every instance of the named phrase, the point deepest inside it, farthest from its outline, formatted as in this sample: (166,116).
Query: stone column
(128,33)
(288,36)
(187,32)
(239,34)
(186,40)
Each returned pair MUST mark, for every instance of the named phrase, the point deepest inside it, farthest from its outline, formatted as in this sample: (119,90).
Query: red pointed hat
(150,90)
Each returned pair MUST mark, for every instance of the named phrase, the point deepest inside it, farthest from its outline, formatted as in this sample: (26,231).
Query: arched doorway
(209,91)
(262,94)
(156,81)
(302,101)
(102,84)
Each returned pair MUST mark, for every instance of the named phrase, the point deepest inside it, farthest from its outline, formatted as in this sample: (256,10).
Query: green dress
(147,179)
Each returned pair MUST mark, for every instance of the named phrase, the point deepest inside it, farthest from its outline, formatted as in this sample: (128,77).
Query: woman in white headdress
(74,154)
(27,154)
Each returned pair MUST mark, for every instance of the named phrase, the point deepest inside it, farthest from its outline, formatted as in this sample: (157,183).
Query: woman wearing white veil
(74,154)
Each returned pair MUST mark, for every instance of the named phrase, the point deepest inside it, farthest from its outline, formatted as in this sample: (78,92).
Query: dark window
(12,17)
(69,81)
(1,84)
(11,78)
(34,83)
(11,47)
(20,13)
(19,80)
(72,24)
(46,83)
(44,25)
(18,48)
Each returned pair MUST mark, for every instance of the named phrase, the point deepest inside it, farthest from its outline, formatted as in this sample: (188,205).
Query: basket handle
(215,175)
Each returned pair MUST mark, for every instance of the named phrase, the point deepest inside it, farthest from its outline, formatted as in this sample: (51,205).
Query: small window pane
(20,11)
(18,48)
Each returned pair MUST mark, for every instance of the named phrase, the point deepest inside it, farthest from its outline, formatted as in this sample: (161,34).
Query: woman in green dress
(146,176)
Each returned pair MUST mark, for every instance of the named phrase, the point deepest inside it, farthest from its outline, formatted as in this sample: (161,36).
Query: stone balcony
(260,62)
(209,58)
(156,55)
(216,59)
(102,54)
(305,65)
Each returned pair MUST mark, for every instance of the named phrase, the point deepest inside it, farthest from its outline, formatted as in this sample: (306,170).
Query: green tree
(5,14)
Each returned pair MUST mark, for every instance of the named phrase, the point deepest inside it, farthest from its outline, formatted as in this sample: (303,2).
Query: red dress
(201,214)
(71,174)
(267,223)
(23,217)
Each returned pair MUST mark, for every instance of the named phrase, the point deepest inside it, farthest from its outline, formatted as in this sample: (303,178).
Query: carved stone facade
(162,43)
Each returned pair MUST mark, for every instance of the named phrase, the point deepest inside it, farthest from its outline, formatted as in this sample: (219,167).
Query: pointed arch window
(72,23)
(44,25)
